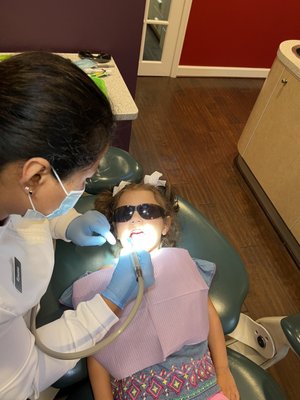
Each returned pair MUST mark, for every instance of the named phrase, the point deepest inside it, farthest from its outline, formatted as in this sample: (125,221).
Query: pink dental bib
(173,313)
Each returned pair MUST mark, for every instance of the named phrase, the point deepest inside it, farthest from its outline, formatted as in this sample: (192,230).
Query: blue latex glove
(90,229)
(123,286)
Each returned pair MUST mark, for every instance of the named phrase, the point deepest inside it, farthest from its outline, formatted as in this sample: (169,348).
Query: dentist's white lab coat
(26,264)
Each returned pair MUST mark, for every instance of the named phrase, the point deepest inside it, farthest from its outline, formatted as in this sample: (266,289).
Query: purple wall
(114,26)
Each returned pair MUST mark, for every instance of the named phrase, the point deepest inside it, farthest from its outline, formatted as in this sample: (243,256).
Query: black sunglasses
(146,211)
(102,57)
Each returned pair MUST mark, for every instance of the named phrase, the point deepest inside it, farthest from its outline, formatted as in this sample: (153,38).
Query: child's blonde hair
(106,203)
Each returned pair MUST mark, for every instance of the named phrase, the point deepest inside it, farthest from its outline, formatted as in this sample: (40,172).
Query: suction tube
(107,340)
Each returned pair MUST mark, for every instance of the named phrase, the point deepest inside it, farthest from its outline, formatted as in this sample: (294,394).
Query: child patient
(174,348)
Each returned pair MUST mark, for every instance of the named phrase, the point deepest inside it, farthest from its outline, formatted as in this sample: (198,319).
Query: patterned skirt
(176,378)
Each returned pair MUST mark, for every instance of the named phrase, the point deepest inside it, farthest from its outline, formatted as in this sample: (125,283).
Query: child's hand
(227,384)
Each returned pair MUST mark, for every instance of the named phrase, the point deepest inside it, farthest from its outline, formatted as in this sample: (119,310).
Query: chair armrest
(291,328)
(253,382)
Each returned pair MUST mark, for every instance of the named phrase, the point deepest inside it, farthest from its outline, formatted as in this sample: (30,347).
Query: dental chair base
(262,341)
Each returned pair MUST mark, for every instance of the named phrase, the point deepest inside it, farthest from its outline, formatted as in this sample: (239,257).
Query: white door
(162,38)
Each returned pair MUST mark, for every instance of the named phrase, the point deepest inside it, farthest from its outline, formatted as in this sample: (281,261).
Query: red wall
(237,33)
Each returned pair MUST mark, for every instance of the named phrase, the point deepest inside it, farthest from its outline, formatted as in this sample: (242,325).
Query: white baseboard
(229,72)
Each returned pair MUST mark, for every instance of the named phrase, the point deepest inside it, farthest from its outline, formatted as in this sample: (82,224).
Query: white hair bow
(152,179)
(121,186)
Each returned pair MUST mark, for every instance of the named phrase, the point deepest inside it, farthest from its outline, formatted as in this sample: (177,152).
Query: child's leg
(100,380)
(218,396)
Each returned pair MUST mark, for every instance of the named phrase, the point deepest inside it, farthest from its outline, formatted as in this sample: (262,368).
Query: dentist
(55,125)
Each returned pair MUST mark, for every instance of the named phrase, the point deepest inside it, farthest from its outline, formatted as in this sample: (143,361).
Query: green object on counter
(100,83)
(4,56)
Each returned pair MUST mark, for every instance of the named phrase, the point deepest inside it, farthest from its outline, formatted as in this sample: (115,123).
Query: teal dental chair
(228,291)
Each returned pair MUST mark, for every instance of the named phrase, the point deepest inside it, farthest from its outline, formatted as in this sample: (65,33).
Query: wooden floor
(188,129)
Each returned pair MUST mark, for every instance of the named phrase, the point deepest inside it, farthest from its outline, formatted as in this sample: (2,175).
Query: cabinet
(269,147)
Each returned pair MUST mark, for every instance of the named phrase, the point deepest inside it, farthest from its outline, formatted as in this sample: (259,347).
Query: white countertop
(288,56)
(123,105)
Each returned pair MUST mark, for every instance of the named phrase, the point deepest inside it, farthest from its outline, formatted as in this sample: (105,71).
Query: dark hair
(50,108)
(165,197)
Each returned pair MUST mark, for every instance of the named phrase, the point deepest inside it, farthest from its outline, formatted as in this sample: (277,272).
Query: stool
(117,165)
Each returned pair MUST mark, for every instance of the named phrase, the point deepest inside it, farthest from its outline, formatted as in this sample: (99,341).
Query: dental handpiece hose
(107,340)
(138,269)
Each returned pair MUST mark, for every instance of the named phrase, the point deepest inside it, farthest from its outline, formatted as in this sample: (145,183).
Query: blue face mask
(68,202)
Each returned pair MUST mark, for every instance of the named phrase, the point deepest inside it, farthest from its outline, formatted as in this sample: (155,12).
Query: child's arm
(216,343)
(100,380)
